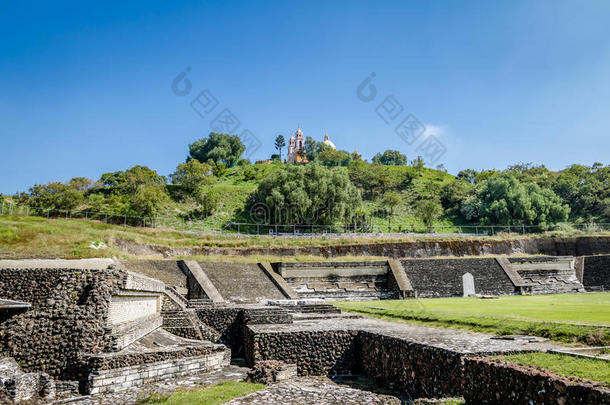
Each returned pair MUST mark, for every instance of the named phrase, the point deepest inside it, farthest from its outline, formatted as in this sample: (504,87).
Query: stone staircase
(547,275)
(266,315)
(200,303)
(366,280)
(180,318)
(310,308)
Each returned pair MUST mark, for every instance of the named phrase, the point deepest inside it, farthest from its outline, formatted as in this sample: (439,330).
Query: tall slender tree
(279,144)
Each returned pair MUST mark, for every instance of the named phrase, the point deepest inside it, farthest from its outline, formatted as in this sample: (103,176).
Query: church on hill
(296,147)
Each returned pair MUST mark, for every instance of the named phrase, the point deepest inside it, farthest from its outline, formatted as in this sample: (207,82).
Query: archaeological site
(113,331)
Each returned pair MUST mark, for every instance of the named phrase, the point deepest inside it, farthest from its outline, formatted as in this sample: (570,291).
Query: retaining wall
(68,316)
(492,381)
(576,246)
(141,370)
(314,353)
(227,321)
(443,277)
(596,272)
(421,370)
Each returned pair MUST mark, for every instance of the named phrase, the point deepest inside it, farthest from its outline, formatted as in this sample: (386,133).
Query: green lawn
(214,395)
(552,316)
(591,308)
(564,365)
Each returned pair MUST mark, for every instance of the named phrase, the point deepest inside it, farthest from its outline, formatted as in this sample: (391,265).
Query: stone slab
(279,281)
(204,281)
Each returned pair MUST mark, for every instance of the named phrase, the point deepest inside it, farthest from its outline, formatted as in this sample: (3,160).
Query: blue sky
(86,86)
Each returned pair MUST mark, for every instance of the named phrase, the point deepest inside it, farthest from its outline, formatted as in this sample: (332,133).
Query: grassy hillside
(36,237)
(393,198)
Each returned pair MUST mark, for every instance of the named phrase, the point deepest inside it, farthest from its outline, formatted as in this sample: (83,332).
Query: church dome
(328,142)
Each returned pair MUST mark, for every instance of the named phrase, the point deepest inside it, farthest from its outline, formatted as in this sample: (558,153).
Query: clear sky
(86,87)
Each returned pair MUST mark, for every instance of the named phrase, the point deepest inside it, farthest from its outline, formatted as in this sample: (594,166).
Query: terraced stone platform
(366,280)
(241,282)
(547,275)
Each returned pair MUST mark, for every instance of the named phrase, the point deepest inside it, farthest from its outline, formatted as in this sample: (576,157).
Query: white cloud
(436,130)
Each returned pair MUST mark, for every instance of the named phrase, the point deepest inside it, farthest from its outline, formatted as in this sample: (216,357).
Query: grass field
(564,365)
(214,395)
(561,317)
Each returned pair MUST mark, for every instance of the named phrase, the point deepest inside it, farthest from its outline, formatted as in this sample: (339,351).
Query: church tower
(296,143)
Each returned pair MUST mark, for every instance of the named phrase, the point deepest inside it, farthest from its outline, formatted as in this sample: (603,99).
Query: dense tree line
(333,186)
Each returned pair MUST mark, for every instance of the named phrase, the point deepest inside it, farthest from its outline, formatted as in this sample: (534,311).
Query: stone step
(200,303)
(342,294)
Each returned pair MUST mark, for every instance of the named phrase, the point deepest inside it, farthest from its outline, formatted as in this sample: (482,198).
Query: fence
(243,228)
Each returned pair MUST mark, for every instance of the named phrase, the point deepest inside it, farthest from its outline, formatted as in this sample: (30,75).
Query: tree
(54,196)
(313,148)
(391,200)
(504,200)
(418,163)
(331,157)
(148,200)
(138,191)
(208,199)
(307,194)
(279,144)
(192,175)
(429,211)
(468,174)
(221,148)
(81,184)
(390,158)
(454,193)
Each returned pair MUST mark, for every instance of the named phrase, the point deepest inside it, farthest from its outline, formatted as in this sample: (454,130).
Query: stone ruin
(74,327)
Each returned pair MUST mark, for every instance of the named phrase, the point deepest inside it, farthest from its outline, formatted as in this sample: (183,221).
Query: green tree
(221,148)
(128,181)
(504,200)
(391,200)
(137,191)
(148,200)
(54,196)
(418,163)
(429,211)
(454,193)
(81,184)
(390,158)
(331,157)
(308,194)
(208,199)
(313,148)
(280,142)
(192,175)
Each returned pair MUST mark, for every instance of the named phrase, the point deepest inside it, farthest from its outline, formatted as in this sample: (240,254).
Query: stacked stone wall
(596,272)
(492,381)
(443,277)
(141,371)
(423,371)
(314,352)
(68,316)
(419,370)
(228,321)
